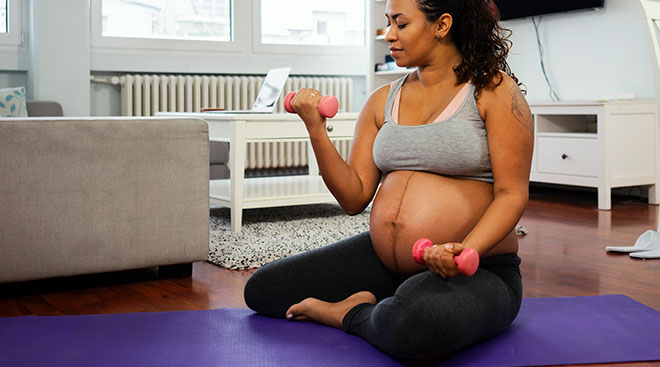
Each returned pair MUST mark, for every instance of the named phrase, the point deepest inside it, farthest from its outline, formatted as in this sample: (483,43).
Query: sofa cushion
(12,102)
(44,109)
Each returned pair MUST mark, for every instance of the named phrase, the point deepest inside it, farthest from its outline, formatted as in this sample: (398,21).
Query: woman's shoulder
(503,82)
(504,89)
(504,99)
(374,107)
(377,100)
(381,91)
(378,97)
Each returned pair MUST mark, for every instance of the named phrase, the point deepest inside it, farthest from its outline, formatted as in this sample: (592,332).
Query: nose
(390,35)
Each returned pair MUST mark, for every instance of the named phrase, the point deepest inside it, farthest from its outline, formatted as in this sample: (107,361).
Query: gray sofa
(44,109)
(91,195)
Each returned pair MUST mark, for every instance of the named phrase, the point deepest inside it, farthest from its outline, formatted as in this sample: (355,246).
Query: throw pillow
(12,102)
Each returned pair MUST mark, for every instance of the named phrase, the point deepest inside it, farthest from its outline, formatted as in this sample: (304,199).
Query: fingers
(306,104)
(305,97)
(440,259)
(454,248)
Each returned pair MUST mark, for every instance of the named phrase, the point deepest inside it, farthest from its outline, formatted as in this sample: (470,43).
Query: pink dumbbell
(467,261)
(328,105)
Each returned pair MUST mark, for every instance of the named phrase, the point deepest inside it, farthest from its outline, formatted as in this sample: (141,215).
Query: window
(10,23)
(313,22)
(3,16)
(199,20)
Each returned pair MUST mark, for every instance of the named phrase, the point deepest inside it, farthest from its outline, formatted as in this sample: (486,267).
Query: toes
(295,316)
(298,311)
(292,312)
(298,318)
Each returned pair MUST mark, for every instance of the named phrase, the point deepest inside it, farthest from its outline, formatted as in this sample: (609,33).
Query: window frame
(242,55)
(259,47)
(14,35)
(238,43)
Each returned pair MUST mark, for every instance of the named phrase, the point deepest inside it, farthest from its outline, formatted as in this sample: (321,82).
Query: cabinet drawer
(339,129)
(568,156)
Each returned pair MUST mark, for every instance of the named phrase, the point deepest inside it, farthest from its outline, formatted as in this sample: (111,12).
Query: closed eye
(400,26)
(394,17)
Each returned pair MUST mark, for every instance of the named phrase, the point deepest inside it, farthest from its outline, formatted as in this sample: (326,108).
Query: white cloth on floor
(654,254)
(648,241)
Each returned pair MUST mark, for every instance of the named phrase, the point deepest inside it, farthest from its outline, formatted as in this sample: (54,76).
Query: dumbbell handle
(467,261)
(328,105)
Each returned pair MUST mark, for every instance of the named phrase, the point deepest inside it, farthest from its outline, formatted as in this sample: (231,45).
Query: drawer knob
(329,128)
(564,156)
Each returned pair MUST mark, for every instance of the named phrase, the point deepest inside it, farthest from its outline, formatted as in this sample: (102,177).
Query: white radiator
(144,95)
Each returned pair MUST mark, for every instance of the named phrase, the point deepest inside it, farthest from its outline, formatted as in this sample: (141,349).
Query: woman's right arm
(352,183)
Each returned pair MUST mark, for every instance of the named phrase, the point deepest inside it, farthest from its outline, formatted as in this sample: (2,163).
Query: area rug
(269,234)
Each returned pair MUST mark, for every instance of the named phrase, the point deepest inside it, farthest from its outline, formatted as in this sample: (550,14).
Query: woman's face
(410,36)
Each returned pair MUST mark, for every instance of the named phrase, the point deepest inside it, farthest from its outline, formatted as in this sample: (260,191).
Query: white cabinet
(579,155)
(597,144)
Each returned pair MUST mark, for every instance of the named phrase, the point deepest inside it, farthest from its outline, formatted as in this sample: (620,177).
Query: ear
(443,25)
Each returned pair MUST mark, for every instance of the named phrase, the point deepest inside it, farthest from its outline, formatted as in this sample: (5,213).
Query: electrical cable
(553,94)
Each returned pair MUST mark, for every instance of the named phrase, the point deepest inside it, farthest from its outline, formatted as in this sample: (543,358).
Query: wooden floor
(563,255)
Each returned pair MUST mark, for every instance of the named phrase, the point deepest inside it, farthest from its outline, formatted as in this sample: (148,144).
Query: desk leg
(237,154)
(604,188)
(312,164)
(604,198)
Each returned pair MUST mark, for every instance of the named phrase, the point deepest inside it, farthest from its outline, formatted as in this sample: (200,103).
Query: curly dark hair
(483,44)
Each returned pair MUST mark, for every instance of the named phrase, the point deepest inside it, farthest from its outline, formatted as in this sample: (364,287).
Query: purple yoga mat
(571,330)
(574,330)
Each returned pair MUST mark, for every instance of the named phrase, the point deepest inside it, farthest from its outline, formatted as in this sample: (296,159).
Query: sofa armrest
(85,196)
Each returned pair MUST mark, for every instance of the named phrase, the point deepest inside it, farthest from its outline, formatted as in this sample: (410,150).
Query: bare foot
(331,314)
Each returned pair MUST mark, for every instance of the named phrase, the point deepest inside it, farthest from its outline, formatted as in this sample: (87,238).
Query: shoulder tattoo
(520,109)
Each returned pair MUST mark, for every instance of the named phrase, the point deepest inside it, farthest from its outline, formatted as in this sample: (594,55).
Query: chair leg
(175,271)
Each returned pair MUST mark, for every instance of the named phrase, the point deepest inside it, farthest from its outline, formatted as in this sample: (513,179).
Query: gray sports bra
(455,146)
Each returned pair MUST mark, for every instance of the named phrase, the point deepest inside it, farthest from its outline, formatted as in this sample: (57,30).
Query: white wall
(58,44)
(588,54)
(10,79)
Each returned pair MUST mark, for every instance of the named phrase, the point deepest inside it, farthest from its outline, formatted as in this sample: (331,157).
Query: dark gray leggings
(419,317)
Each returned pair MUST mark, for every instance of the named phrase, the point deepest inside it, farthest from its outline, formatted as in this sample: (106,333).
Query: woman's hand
(306,105)
(440,259)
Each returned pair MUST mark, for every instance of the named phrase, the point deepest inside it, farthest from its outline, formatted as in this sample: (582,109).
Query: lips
(394,52)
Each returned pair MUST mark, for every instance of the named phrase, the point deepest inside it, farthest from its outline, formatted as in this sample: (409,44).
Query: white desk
(239,193)
(605,145)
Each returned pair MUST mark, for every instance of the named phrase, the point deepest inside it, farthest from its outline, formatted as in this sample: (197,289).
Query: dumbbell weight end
(467,261)
(328,105)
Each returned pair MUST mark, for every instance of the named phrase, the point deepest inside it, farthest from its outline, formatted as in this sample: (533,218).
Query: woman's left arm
(510,130)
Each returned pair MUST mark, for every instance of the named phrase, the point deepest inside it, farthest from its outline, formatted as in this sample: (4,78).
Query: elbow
(517,199)
(354,203)
(353,209)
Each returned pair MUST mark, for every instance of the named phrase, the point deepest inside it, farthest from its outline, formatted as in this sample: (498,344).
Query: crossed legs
(422,317)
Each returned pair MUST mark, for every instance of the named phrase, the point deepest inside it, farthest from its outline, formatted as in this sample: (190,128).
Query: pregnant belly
(410,205)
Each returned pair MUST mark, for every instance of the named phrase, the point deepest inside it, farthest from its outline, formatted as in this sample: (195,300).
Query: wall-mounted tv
(512,9)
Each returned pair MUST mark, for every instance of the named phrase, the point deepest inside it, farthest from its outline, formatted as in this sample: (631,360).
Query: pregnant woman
(444,153)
